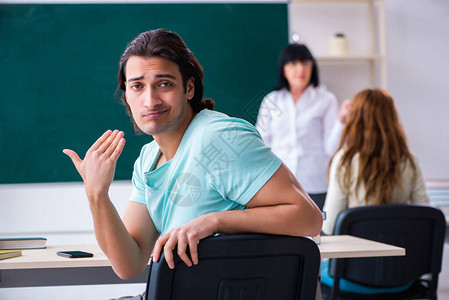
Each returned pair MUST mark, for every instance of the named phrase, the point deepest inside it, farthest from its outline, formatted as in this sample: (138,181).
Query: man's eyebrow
(136,78)
(165,75)
(157,76)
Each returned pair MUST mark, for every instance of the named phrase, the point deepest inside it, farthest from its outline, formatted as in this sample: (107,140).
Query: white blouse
(304,134)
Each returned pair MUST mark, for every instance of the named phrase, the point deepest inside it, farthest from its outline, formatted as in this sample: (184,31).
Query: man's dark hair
(291,53)
(166,44)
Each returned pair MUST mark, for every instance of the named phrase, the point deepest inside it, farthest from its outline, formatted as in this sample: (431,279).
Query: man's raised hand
(98,166)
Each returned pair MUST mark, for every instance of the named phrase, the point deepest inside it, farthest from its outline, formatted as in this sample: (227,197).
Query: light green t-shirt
(221,163)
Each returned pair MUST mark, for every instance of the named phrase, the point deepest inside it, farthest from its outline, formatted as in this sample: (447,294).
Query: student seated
(204,173)
(373,166)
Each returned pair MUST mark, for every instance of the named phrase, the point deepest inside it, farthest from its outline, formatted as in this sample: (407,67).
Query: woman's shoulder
(407,164)
(282,93)
(414,157)
(323,93)
(406,161)
(338,156)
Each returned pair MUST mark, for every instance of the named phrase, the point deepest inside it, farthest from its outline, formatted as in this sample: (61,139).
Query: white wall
(418,64)
(60,212)
(417,47)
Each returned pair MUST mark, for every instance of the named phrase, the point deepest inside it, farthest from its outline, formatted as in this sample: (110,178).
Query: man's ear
(190,88)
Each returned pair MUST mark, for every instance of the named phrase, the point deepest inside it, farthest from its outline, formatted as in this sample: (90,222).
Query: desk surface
(43,267)
(344,246)
(47,258)
(330,247)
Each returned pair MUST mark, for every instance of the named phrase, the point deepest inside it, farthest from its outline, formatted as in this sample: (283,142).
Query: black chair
(417,228)
(244,267)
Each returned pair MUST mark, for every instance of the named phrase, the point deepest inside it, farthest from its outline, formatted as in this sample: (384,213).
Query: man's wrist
(215,222)
(96,196)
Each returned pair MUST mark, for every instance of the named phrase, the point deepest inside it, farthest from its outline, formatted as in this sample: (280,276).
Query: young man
(204,173)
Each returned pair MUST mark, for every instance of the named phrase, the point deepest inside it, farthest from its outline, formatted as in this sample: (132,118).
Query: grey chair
(244,267)
(417,228)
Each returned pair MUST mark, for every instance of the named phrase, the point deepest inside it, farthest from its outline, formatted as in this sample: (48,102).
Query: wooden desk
(42,267)
(47,258)
(344,246)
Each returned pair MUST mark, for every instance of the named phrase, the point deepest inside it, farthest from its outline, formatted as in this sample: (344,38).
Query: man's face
(156,95)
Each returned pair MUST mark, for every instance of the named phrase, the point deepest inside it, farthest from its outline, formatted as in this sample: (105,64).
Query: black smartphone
(74,254)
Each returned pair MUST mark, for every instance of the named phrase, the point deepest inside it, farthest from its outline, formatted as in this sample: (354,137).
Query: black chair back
(417,228)
(244,267)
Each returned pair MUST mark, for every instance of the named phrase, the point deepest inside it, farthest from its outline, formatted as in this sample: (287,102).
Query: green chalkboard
(58,66)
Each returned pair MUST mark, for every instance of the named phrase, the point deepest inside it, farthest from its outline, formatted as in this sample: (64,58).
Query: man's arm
(127,243)
(281,206)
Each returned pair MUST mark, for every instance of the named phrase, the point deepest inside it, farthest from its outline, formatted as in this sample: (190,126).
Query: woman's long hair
(373,131)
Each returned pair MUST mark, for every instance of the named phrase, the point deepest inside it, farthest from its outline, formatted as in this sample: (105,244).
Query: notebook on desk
(4,254)
(22,243)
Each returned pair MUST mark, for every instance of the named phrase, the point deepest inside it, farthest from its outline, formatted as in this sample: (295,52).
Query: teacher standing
(302,122)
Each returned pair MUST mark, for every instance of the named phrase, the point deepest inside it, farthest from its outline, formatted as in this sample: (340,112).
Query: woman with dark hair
(301,122)
(373,166)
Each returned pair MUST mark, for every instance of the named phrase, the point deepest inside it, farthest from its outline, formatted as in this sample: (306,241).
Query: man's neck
(169,142)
